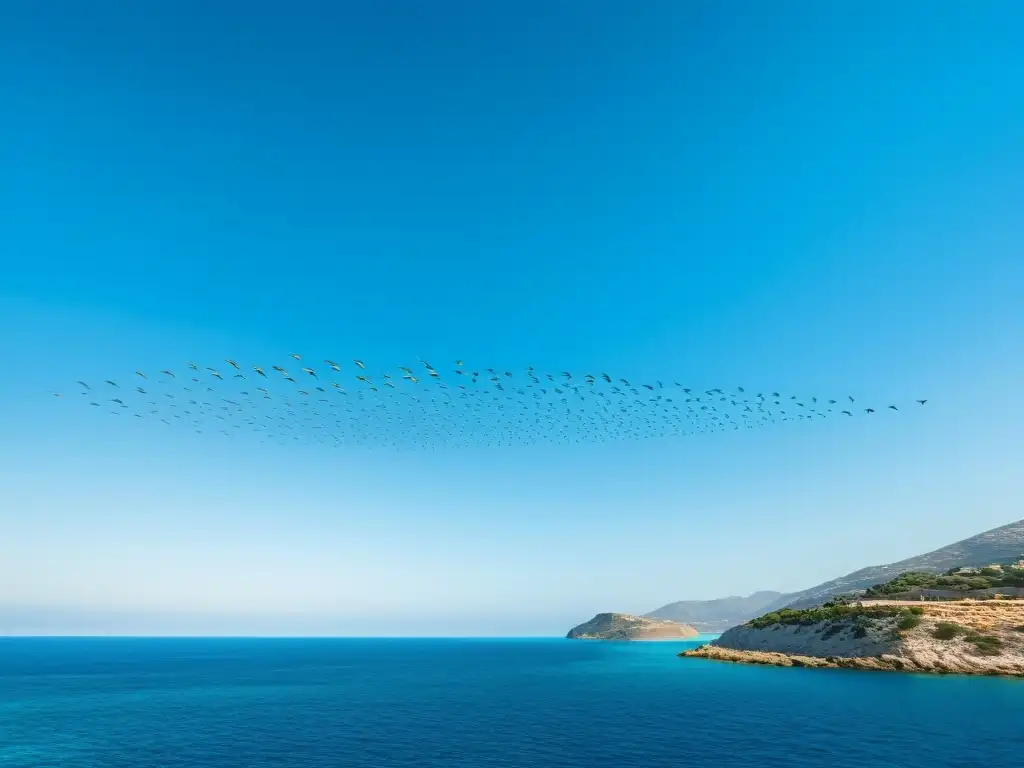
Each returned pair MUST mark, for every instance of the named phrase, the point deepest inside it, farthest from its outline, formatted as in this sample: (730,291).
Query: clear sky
(815,197)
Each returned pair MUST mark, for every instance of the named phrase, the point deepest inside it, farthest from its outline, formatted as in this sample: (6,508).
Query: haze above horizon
(802,197)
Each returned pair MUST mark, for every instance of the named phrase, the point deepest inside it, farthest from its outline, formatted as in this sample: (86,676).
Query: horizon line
(309,637)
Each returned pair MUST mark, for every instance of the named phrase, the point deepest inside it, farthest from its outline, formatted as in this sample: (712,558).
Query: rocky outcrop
(966,637)
(623,626)
(822,639)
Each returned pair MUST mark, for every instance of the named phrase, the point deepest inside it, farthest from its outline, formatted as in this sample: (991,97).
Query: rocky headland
(977,637)
(623,626)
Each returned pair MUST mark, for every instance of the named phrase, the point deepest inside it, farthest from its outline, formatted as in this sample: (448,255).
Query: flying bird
(503,408)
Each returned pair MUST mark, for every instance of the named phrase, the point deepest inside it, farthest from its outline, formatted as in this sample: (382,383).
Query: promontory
(623,626)
(959,627)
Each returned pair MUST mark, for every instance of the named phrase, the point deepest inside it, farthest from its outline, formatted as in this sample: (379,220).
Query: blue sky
(807,197)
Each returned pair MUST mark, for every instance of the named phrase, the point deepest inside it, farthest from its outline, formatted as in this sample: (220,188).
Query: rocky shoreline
(965,638)
(885,662)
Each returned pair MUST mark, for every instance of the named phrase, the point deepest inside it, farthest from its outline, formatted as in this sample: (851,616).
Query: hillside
(711,616)
(959,635)
(996,545)
(963,637)
(622,626)
(1007,579)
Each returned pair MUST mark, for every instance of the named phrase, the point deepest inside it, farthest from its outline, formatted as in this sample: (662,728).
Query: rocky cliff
(964,637)
(622,626)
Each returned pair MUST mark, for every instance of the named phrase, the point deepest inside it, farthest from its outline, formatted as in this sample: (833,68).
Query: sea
(475,703)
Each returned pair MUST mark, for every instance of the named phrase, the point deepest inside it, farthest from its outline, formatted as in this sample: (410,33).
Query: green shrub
(985,645)
(946,630)
(1019,629)
(909,621)
(788,616)
(917,610)
(988,577)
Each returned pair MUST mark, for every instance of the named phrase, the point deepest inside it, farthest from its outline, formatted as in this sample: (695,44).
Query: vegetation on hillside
(984,645)
(986,578)
(841,609)
(909,620)
(947,630)
(844,609)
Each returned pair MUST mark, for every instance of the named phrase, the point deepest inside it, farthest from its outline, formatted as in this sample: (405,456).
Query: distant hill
(710,616)
(622,626)
(997,545)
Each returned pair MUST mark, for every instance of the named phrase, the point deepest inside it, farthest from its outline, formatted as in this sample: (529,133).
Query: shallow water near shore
(248,703)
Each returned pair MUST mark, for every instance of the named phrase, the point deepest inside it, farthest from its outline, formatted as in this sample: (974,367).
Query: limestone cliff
(965,637)
(622,626)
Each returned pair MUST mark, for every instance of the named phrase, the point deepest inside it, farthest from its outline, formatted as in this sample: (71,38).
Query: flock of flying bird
(421,408)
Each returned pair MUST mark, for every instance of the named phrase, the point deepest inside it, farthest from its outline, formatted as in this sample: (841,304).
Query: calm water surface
(220,703)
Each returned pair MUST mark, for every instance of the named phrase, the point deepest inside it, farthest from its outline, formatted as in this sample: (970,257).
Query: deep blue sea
(251,703)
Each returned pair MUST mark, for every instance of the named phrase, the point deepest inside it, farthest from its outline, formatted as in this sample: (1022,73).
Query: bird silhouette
(496,408)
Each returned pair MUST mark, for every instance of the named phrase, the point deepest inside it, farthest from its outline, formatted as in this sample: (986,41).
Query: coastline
(961,638)
(883,663)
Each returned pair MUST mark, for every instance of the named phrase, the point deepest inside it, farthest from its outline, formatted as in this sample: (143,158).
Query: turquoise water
(219,703)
